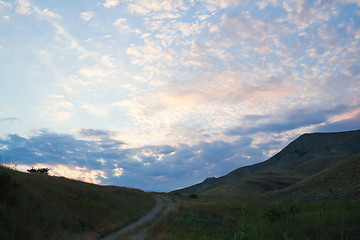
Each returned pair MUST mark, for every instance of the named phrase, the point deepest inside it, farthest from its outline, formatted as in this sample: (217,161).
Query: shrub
(193,196)
(39,170)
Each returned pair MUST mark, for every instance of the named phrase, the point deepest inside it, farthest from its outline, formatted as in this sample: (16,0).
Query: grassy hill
(309,190)
(302,159)
(37,206)
(341,181)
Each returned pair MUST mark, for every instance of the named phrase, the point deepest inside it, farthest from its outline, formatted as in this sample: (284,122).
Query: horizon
(162,94)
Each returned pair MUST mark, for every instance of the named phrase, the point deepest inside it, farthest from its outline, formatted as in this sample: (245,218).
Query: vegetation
(309,190)
(38,206)
(39,170)
(244,220)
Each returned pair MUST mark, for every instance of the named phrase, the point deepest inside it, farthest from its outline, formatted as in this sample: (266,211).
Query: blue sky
(160,94)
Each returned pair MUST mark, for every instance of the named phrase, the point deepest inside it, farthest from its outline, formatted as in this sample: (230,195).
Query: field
(37,206)
(229,220)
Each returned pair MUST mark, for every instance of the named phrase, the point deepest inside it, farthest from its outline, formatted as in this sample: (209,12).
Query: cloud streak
(11,119)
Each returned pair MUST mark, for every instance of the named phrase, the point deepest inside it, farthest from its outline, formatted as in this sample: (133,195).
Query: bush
(193,196)
(39,170)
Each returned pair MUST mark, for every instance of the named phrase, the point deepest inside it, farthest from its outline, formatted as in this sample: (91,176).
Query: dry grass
(243,220)
(34,206)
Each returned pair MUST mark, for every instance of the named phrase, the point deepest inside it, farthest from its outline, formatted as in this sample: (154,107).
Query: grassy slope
(325,206)
(34,206)
(328,220)
(341,181)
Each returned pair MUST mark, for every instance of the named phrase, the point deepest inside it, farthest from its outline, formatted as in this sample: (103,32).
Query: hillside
(302,159)
(37,206)
(341,181)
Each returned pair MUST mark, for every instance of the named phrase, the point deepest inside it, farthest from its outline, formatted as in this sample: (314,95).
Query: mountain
(300,162)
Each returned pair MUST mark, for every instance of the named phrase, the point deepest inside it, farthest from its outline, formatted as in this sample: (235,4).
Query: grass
(324,205)
(35,206)
(244,220)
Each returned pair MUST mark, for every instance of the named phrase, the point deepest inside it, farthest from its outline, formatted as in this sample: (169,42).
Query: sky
(161,94)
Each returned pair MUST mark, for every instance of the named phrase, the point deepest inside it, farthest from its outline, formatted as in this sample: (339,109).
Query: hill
(341,181)
(37,206)
(301,162)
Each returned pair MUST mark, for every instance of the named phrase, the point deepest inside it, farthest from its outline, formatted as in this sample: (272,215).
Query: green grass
(34,206)
(282,220)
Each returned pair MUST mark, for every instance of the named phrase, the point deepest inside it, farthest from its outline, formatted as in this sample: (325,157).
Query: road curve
(170,204)
(161,202)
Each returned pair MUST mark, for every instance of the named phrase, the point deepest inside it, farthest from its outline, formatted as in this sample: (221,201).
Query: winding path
(161,202)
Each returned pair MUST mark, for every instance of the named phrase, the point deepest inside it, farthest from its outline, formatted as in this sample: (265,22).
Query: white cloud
(5,4)
(188,28)
(79,173)
(161,9)
(87,15)
(60,109)
(24,7)
(122,25)
(119,21)
(111,3)
(108,61)
(48,13)
(287,7)
(96,71)
(118,172)
(99,111)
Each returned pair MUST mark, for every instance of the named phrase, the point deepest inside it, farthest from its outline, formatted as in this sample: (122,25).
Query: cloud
(119,21)
(76,172)
(12,119)
(63,35)
(87,15)
(352,123)
(24,7)
(100,135)
(357,2)
(108,61)
(222,3)
(153,167)
(60,109)
(111,3)
(96,110)
(4,4)
(51,14)
(118,172)
(155,7)
(96,71)
(286,121)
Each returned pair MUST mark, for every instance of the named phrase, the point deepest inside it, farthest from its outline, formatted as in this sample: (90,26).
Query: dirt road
(162,207)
